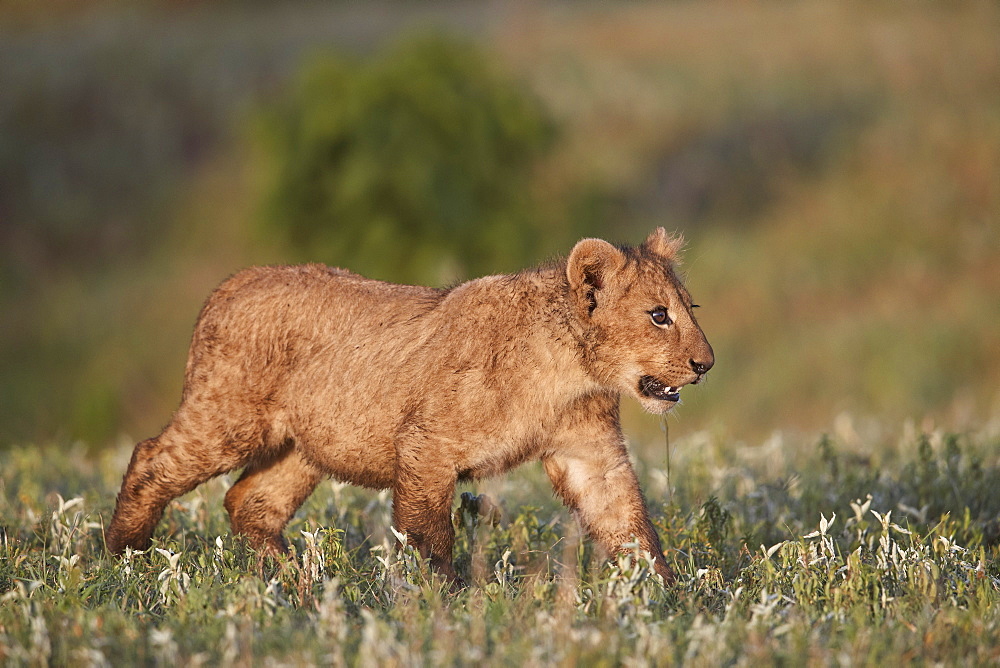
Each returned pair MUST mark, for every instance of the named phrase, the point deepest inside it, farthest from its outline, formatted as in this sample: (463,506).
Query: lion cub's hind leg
(161,469)
(267,495)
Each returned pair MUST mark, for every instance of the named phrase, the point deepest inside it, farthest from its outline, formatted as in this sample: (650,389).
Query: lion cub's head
(640,335)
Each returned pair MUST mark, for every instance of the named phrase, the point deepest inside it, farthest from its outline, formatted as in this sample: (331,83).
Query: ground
(869,543)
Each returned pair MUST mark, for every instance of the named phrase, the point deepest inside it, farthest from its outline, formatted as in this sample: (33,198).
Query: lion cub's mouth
(653,388)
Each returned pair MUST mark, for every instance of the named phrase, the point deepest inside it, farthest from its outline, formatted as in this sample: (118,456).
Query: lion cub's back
(298,294)
(271,316)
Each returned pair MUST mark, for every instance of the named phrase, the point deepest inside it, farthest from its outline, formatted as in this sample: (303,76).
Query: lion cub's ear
(665,245)
(591,263)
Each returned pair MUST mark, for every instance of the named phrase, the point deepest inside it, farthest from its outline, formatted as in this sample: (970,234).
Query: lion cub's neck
(522,328)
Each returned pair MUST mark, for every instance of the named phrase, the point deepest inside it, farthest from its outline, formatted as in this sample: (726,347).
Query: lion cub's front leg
(597,481)
(421,506)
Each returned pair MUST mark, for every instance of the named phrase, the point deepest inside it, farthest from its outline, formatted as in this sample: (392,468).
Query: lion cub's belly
(364,464)
(352,442)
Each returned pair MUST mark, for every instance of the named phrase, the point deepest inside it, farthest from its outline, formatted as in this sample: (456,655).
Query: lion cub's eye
(659,317)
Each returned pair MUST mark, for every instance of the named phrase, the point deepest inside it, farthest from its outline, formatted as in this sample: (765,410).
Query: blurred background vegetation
(835,167)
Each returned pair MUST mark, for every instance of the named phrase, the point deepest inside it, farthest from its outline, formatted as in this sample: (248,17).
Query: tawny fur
(302,372)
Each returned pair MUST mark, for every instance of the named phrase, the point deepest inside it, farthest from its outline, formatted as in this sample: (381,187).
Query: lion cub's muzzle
(701,368)
(654,388)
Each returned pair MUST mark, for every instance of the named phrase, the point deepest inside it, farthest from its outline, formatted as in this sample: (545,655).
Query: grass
(866,545)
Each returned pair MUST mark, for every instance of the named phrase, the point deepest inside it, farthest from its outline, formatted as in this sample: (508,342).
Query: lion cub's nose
(701,368)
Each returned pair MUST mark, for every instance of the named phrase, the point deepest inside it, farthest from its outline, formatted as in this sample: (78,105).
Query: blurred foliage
(422,158)
(835,167)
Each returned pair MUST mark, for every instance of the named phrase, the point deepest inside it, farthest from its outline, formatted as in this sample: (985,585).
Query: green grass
(870,545)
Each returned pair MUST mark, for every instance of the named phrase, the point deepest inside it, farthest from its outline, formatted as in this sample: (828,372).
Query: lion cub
(297,373)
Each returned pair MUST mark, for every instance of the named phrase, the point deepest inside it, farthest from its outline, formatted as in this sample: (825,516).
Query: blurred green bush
(425,152)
